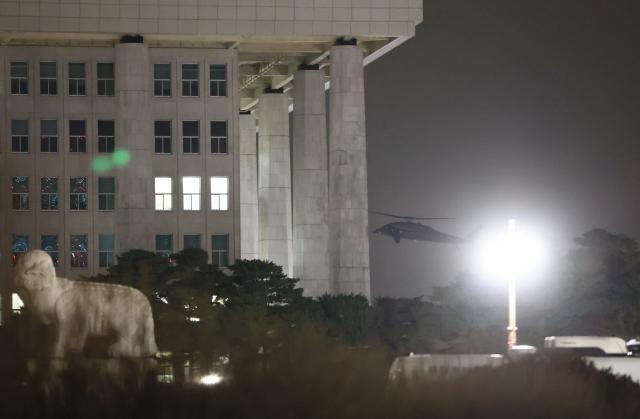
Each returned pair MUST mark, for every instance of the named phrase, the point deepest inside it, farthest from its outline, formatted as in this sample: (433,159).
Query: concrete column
(348,203)
(310,184)
(274,181)
(248,188)
(134,206)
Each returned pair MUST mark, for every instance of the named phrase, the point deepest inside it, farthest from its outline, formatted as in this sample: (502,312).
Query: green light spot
(101,164)
(121,157)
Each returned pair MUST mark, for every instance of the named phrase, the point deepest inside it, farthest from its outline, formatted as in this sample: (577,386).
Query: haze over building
(132,124)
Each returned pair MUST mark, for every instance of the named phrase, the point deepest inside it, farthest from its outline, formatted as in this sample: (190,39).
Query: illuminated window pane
(220,249)
(19,245)
(49,193)
(79,199)
(191,193)
(20,193)
(219,193)
(79,251)
(51,245)
(164,244)
(163,193)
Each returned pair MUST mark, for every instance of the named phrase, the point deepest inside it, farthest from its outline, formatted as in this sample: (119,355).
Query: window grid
(79,251)
(219,137)
(162,80)
(19,244)
(220,250)
(19,136)
(106,79)
(78,136)
(190,137)
(164,244)
(106,136)
(106,193)
(162,137)
(19,78)
(219,193)
(190,80)
(106,250)
(192,241)
(49,193)
(78,196)
(191,193)
(20,193)
(50,244)
(218,80)
(48,78)
(163,193)
(77,79)
(49,136)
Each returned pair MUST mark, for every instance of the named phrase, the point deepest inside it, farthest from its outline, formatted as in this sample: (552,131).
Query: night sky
(499,109)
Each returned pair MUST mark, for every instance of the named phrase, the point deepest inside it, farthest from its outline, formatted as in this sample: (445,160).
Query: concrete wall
(224,17)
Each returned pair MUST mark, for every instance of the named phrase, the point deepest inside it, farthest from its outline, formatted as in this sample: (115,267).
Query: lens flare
(101,164)
(121,157)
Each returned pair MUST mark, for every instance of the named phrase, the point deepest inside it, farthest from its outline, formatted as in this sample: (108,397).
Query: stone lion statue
(119,316)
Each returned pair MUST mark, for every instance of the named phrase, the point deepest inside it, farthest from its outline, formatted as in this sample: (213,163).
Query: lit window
(219,193)
(192,241)
(190,80)
(51,245)
(79,251)
(219,137)
(19,78)
(79,200)
(20,193)
(78,136)
(190,137)
(191,193)
(164,244)
(162,135)
(162,80)
(19,245)
(49,193)
(106,136)
(77,79)
(106,79)
(106,193)
(106,247)
(16,303)
(19,136)
(220,252)
(218,80)
(163,193)
(49,136)
(48,78)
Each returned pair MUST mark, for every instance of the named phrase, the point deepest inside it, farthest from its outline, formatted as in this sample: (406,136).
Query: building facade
(132,124)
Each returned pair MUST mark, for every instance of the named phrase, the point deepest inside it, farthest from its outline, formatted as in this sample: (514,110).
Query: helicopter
(412,229)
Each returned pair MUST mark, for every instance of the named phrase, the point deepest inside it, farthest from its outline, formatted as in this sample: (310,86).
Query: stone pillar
(134,205)
(310,183)
(348,203)
(248,188)
(274,180)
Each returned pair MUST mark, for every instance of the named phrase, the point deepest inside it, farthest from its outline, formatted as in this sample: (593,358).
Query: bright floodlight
(514,253)
(211,379)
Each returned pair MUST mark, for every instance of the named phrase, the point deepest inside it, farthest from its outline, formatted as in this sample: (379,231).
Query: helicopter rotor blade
(409,217)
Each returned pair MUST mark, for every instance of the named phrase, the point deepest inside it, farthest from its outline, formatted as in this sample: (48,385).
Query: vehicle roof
(609,344)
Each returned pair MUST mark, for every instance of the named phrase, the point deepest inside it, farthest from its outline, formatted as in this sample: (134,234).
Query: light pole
(512,329)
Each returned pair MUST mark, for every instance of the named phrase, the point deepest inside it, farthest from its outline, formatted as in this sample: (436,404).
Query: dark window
(48,78)
(77,79)
(19,245)
(218,80)
(106,79)
(164,244)
(220,249)
(79,251)
(106,193)
(49,193)
(191,137)
(20,193)
(78,136)
(190,80)
(106,247)
(50,244)
(106,136)
(49,136)
(79,200)
(162,136)
(192,241)
(19,78)
(219,137)
(19,136)
(162,80)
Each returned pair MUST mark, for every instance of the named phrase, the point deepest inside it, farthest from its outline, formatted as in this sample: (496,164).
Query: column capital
(342,41)
(272,90)
(132,39)
(308,67)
